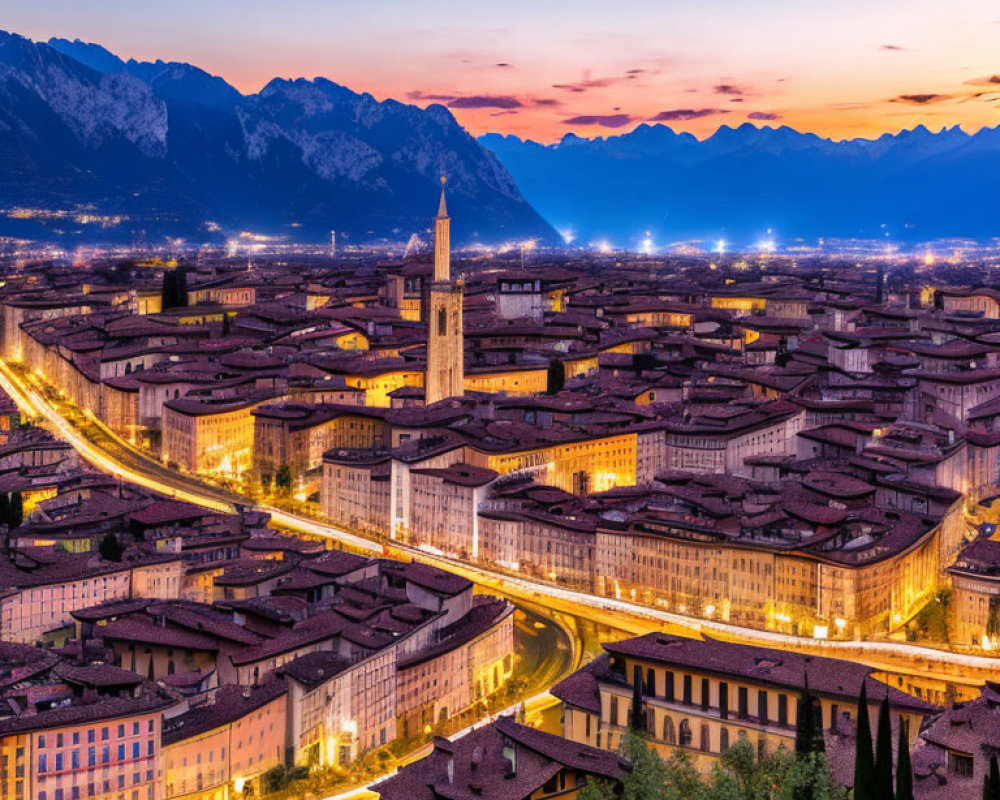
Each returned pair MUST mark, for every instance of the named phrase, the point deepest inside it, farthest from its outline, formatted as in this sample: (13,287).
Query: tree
(808,778)
(275,779)
(883,754)
(649,775)
(110,548)
(597,790)
(741,774)
(864,761)
(809,723)
(904,770)
(283,478)
(555,378)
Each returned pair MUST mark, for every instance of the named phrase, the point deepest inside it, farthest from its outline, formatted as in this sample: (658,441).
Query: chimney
(510,753)
(443,746)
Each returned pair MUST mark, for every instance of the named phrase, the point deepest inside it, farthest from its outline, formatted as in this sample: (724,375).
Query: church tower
(445,374)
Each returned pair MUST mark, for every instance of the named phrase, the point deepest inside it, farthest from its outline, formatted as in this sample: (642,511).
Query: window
(614,710)
(687,690)
(724,700)
(783,709)
(669,734)
(706,740)
(704,693)
(442,321)
(685,733)
(762,707)
(960,765)
(743,702)
(723,739)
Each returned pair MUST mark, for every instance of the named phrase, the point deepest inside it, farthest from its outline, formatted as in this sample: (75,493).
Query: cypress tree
(883,754)
(904,771)
(818,742)
(864,761)
(805,724)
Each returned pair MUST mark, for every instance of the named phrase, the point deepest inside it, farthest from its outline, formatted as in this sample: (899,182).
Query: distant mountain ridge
(180,152)
(915,185)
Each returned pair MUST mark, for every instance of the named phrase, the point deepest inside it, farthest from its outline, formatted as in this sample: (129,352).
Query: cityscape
(413,442)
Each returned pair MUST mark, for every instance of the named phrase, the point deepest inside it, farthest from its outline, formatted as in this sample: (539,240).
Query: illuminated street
(417,402)
(912,665)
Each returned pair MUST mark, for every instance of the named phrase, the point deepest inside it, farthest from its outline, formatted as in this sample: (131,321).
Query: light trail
(619,614)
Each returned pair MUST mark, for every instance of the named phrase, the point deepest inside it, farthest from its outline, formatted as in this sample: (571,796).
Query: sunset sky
(539,68)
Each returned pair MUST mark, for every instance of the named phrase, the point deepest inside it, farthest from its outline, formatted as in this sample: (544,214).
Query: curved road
(119,458)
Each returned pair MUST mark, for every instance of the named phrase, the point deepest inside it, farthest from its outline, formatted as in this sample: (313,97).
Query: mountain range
(740,182)
(161,149)
(112,150)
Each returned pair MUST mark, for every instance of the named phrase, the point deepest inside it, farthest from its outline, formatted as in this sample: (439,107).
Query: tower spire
(445,372)
(442,208)
(442,240)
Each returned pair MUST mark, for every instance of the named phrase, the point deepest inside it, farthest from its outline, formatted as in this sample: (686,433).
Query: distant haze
(751,187)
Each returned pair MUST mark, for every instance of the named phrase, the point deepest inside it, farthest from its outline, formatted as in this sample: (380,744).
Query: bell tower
(445,373)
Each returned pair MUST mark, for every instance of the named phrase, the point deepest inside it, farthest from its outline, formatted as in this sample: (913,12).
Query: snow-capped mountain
(171,148)
(740,182)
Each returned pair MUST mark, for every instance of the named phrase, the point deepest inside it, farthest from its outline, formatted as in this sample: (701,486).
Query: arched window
(706,740)
(669,735)
(684,733)
(442,321)
(723,740)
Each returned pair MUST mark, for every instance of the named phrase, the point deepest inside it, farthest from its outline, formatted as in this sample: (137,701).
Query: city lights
(511,406)
(647,244)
